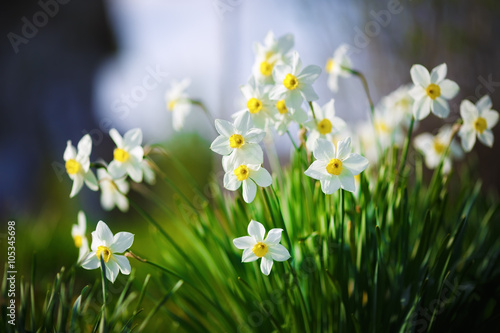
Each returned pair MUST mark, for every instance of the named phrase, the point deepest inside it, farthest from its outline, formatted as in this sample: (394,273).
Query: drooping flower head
(336,168)
(113,191)
(255,246)
(239,142)
(250,175)
(269,54)
(433,147)
(78,232)
(294,83)
(334,66)
(178,102)
(107,246)
(478,119)
(128,155)
(78,165)
(431,91)
(326,124)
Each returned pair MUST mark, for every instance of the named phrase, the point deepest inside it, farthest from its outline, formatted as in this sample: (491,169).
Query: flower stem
(302,300)
(205,110)
(293,142)
(314,114)
(103,310)
(406,147)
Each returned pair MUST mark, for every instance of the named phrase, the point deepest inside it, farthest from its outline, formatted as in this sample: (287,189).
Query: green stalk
(205,111)
(406,148)
(103,327)
(293,142)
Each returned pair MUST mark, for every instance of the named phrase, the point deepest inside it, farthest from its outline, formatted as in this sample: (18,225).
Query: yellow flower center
(266,68)
(254,105)
(105,252)
(241,172)
(381,127)
(78,241)
(433,91)
(325,126)
(405,102)
(480,124)
(438,146)
(329,65)
(334,167)
(171,105)
(120,155)
(290,82)
(73,167)
(260,249)
(280,105)
(236,141)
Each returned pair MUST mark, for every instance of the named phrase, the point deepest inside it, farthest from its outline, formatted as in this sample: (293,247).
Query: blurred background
(71,67)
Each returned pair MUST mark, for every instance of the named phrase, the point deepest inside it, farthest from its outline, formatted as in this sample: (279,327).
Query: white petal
(117,169)
(440,107)
(117,138)
(133,138)
(468,111)
(107,199)
(221,145)
(439,73)
(261,177)
(69,152)
(355,163)
(245,242)
(121,242)
(103,234)
(248,256)
(422,108)
(77,185)
(347,180)
(138,153)
(231,182)
(278,92)
(417,92)
(243,123)
(329,109)
(491,117)
(247,91)
(312,140)
(256,230)
(324,150)
(486,137)
(449,89)
(294,99)
(266,265)
(420,75)
(250,152)
(91,181)
(317,170)
(91,262)
(484,103)
(343,148)
(468,137)
(85,145)
(249,190)
(254,135)
(308,93)
(279,253)
(123,264)
(329,186)
(224,127)
(273,236)
(121,202)
(285,43)
(135,172)
(82,222)
(298,115)
(309,74)
(112,270)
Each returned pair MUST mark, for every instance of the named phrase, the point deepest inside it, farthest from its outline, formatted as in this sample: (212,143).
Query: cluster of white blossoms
(128,160)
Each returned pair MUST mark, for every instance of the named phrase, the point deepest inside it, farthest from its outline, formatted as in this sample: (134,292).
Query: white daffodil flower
(294,84)
(178,102)
(259,106)
(387,128)
(270,54)
(255,246)
(78,165)
(398,105)
(78,233)
(108,246)
(478,119)
(431,91)
(239,142)
(112,191)
(250,175)
(334,66)
(128,155)
(336,168)
(326,124)
(433,148)
(284,116)
(148,173)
